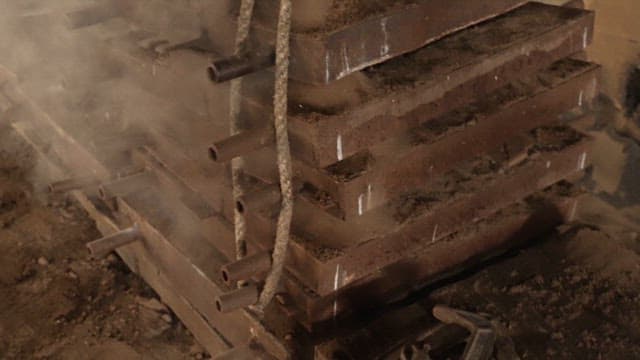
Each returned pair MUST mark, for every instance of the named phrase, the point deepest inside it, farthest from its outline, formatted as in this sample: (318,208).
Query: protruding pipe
(238,299)
(241,144)
(88,181)
(260,199)
(246,268)
(226,69)
(102,247)
(71,184)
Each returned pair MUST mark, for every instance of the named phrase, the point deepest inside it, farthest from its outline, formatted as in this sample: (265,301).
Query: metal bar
(360,126)
(247,268)
(411,164)
(241,144)
(237,299)
(102,247)
(71,184)
(332,53)
(223,70)
(261,199)
(87,181)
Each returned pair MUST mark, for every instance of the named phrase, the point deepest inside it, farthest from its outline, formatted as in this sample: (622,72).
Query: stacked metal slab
(426,135)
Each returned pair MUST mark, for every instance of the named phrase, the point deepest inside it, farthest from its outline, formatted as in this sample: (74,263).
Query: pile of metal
(427,136)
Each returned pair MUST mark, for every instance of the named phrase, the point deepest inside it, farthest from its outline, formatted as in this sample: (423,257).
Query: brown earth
(57,303)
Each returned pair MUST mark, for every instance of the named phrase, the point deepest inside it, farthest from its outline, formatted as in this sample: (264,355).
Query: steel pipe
(237,299)
(260,199)
(247,268)
(241,144)
(103,247)
(71,184)
(80,182)
(233,67)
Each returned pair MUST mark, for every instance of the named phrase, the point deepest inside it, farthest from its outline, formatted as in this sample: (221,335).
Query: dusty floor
(55,302)
(574,296)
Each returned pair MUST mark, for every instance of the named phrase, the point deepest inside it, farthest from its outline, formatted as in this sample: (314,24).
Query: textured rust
(223,70)
(246,268)
(406,171)
(410,162)
(238,299)
(321,57)
(545,170)
(506,229)
(102,247)
(241,144)
(454,74)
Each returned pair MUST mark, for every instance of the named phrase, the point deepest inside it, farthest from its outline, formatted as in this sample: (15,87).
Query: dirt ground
(57,303)
(573,296)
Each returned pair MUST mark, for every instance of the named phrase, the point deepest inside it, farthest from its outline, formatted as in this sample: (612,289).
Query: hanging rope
(280,104)
(235,97)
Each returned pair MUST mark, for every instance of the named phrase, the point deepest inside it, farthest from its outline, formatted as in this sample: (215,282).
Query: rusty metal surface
(440,222)
(191,267)
(515,226)
(322,57)
(241,144)
(181,199)
(102,247)
(238,299)
(399,280)
(246,268)
(361,184)
(225,69)
(458,79)
(350,265)
(367,181)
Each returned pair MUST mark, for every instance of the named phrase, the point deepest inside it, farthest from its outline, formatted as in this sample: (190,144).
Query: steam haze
(104,84)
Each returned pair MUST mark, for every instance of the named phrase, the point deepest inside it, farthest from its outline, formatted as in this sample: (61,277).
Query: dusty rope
(280,104)
(235,96)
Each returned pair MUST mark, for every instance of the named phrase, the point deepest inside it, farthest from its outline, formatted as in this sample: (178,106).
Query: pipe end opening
(240,207)
(213,153)
(213,73)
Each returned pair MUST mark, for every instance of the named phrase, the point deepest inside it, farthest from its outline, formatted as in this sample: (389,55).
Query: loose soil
(57,303)
(574,296)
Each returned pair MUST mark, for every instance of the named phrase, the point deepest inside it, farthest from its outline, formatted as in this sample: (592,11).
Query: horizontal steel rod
(102,247)
(260,199)
(241,144)
(233,67)
(71,184)
(238,299)
(247,268)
